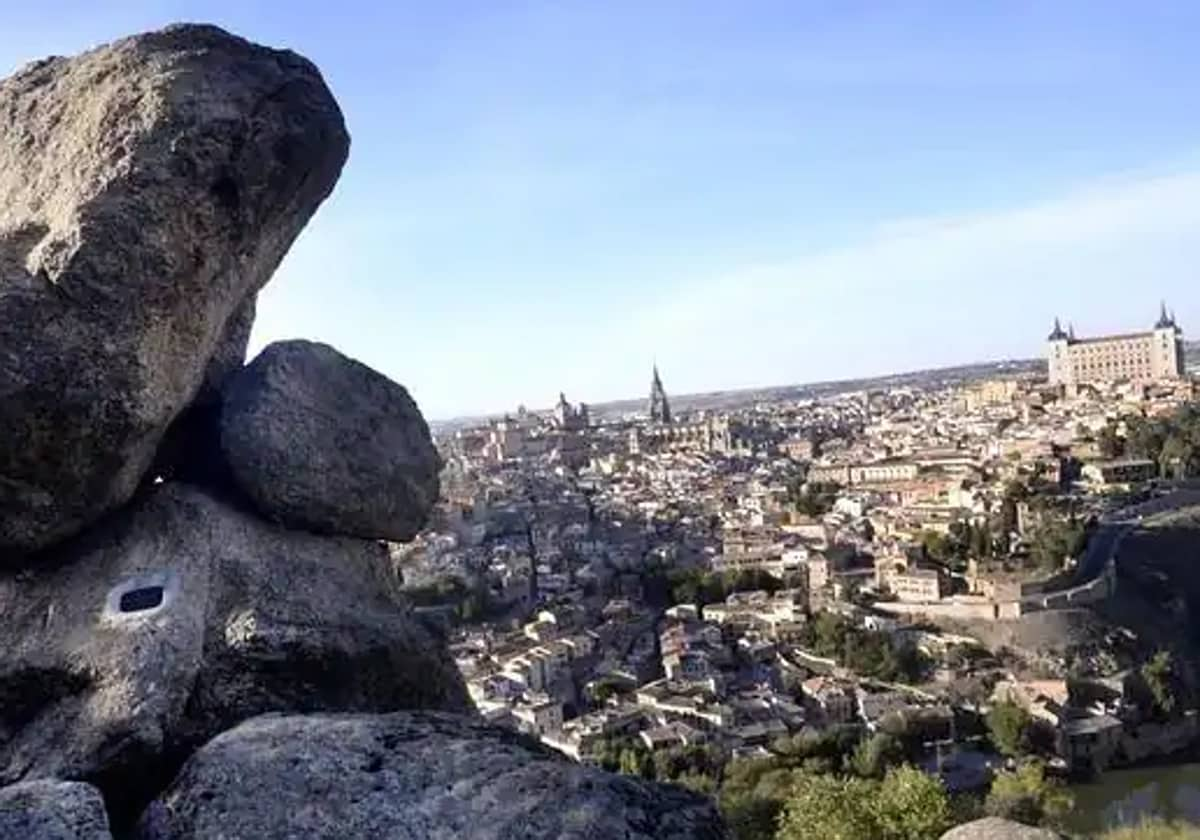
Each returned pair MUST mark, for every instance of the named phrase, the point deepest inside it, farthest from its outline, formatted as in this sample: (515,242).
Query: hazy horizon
(543,198)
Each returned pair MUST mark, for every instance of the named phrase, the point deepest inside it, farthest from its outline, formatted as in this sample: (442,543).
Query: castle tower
(1058,355)
(1166,360)
(660,409)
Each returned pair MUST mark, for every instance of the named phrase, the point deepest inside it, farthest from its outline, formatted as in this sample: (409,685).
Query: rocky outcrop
(994,828)
(147,189)
(410,775)
(49,810)
(322,442)
(187,543)
(182,617)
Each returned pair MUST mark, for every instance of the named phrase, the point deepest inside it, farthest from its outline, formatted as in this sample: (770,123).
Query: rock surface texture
(183,617)
(49,810)
(994,828)
(410,776)
(322,442)
(148,188)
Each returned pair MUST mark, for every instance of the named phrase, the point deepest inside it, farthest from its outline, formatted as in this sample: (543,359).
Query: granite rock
(52,810)
(181,617)
(410,776)
(148,188)
(322,442)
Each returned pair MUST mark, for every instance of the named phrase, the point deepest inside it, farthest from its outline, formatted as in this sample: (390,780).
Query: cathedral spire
(660,409)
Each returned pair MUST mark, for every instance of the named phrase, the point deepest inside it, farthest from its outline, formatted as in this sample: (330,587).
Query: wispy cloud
(915,292)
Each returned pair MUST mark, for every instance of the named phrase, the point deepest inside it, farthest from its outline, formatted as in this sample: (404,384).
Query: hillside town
(672,583)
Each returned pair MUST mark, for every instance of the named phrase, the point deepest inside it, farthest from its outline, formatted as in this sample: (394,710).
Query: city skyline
(1066,327)
(541,198)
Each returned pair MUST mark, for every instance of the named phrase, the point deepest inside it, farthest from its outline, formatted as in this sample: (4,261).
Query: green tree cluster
(964,541)
(812,499)
(753,790)
(698,767)
(696,586)
(752,794)
(1057,538)
(1158,677)
(907,804)
(471,601)
(867,652)
(1173,442)
(1026,795)
(1110,442)
(1009,726)
(876,755)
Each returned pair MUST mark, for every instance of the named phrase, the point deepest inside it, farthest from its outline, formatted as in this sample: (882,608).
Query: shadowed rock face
(321,442)
(410,776)
(49,810)
(183,617)
(147,189)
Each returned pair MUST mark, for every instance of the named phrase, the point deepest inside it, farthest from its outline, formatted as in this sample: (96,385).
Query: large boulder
(183,616)
(51,810)
(322,442)
(147,189)
(410,776)
(994,828)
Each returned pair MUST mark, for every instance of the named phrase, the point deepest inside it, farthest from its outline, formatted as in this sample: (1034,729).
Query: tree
(982,544)
(936,546)
(1172,442)
(1009,726)
(1056,539)
(1159,674)
(907,805)
(752,795)
(1026,795)
(829,807)
(1111,444)
(678,762)
(912,805)
(1144,438)
(876,755)
(830,748)
(636,761)
(698,782)
(813,499)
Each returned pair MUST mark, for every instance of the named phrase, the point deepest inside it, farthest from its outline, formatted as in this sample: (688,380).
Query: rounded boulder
(321,442)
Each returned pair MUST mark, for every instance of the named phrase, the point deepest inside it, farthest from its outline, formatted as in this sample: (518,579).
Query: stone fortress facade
(1145,357)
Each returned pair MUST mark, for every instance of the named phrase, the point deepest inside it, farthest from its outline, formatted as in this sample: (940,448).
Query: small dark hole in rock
(137,600)
(225,191)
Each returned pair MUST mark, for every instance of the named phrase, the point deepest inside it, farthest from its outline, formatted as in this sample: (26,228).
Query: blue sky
(549,196)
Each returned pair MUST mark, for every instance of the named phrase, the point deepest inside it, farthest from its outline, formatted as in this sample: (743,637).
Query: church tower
(660,410)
